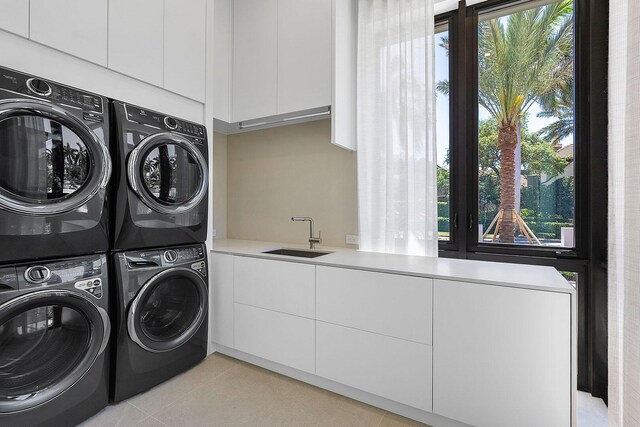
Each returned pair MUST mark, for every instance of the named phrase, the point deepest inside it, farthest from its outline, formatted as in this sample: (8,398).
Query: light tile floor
(222,391)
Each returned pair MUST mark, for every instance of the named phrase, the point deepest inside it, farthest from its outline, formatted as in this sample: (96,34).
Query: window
(525,125)
(443,140)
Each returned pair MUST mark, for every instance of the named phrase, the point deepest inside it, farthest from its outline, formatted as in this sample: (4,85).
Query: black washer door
(168,310)
(168,173)
(48,341)
(50,161)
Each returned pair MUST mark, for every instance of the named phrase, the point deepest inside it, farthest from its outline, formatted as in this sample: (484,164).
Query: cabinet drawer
(281,338)
(288,287)
(396,369)
(389,304)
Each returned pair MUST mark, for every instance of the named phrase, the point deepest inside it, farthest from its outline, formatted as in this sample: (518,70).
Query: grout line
(163,423)
(384,414)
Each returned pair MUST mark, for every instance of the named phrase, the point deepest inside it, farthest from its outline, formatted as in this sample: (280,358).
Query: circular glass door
(48,340)
(168,173)
(50,161)
(168,310)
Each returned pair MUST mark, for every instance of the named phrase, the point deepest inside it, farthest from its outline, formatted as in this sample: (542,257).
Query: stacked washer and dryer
(103,276)
(159,221)
(54,289)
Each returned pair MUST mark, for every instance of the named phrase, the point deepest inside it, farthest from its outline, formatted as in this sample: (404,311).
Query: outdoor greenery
(524,59)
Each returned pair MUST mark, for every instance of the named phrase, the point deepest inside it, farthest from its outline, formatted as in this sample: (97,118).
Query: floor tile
(120,415)
(177,388)
(240,396)
(393,420)
(150,422)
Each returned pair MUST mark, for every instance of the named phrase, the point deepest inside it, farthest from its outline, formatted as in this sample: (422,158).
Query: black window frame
(589,257)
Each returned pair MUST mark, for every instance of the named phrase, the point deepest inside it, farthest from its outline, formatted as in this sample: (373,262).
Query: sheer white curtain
(395,127)
(624,213)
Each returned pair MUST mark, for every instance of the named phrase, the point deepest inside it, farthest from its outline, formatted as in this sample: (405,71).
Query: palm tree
(522,60)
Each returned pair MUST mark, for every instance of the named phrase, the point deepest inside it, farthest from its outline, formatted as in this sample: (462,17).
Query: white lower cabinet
(221,299)
(501,355)
(281,338)
(389,304)
(396,369)
(288,287)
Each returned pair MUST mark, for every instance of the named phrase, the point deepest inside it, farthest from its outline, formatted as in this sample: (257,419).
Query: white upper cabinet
(136,39)
(343,105)
(222,37)
(255,59)
(15,17)
(77,27)
(184,47)
(304,54)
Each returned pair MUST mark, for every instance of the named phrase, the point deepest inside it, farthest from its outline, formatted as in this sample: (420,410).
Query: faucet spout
(312,239)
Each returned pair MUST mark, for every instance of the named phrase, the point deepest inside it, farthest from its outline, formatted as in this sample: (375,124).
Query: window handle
(455,221)
(470,222)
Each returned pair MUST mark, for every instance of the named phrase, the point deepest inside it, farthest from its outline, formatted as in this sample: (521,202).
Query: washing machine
(161,179)
(54,330)
(161,316)
(54,169)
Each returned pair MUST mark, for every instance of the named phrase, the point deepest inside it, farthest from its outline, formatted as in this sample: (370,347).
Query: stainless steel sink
(302,253)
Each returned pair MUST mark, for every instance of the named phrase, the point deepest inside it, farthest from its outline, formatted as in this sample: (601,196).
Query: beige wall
(220,185)
(277,173)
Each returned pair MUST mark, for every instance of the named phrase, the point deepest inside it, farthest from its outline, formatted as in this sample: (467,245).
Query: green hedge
(443,209)
(443,224)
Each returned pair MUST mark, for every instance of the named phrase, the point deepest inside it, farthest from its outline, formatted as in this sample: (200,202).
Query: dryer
(54,330)
(161,316)
(161,180)
(54,169)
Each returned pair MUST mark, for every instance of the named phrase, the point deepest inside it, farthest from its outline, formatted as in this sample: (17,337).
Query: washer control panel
(34,87)
(165,258)
(92,286)
(152,118)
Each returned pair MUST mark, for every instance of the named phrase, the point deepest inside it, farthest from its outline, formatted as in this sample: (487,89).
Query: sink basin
(297,252)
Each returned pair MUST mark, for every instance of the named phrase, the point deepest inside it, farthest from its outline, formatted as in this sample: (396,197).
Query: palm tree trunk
(508,142)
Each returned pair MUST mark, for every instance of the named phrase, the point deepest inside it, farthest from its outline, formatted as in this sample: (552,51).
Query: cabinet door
(15,17)
(396,369)
(184,47)
(304,54)
(221,299)
(288,287)
(501,356)
(255,59)
(136,39)
(77,27)
(222,59)
(389,304)
(345,44)
(281,338)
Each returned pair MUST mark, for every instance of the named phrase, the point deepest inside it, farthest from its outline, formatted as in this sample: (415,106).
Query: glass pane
(170,309)
(41,159)
(571,276)
(171,174)
(442,130)
(39,348)
(526,144)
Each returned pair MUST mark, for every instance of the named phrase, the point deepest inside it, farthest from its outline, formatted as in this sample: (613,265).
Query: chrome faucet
(312,239)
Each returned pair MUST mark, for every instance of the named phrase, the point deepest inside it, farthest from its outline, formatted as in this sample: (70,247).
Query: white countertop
(492,273)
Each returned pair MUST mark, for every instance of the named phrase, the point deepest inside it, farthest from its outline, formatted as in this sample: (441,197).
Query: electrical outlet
(213,232)
(352,239)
